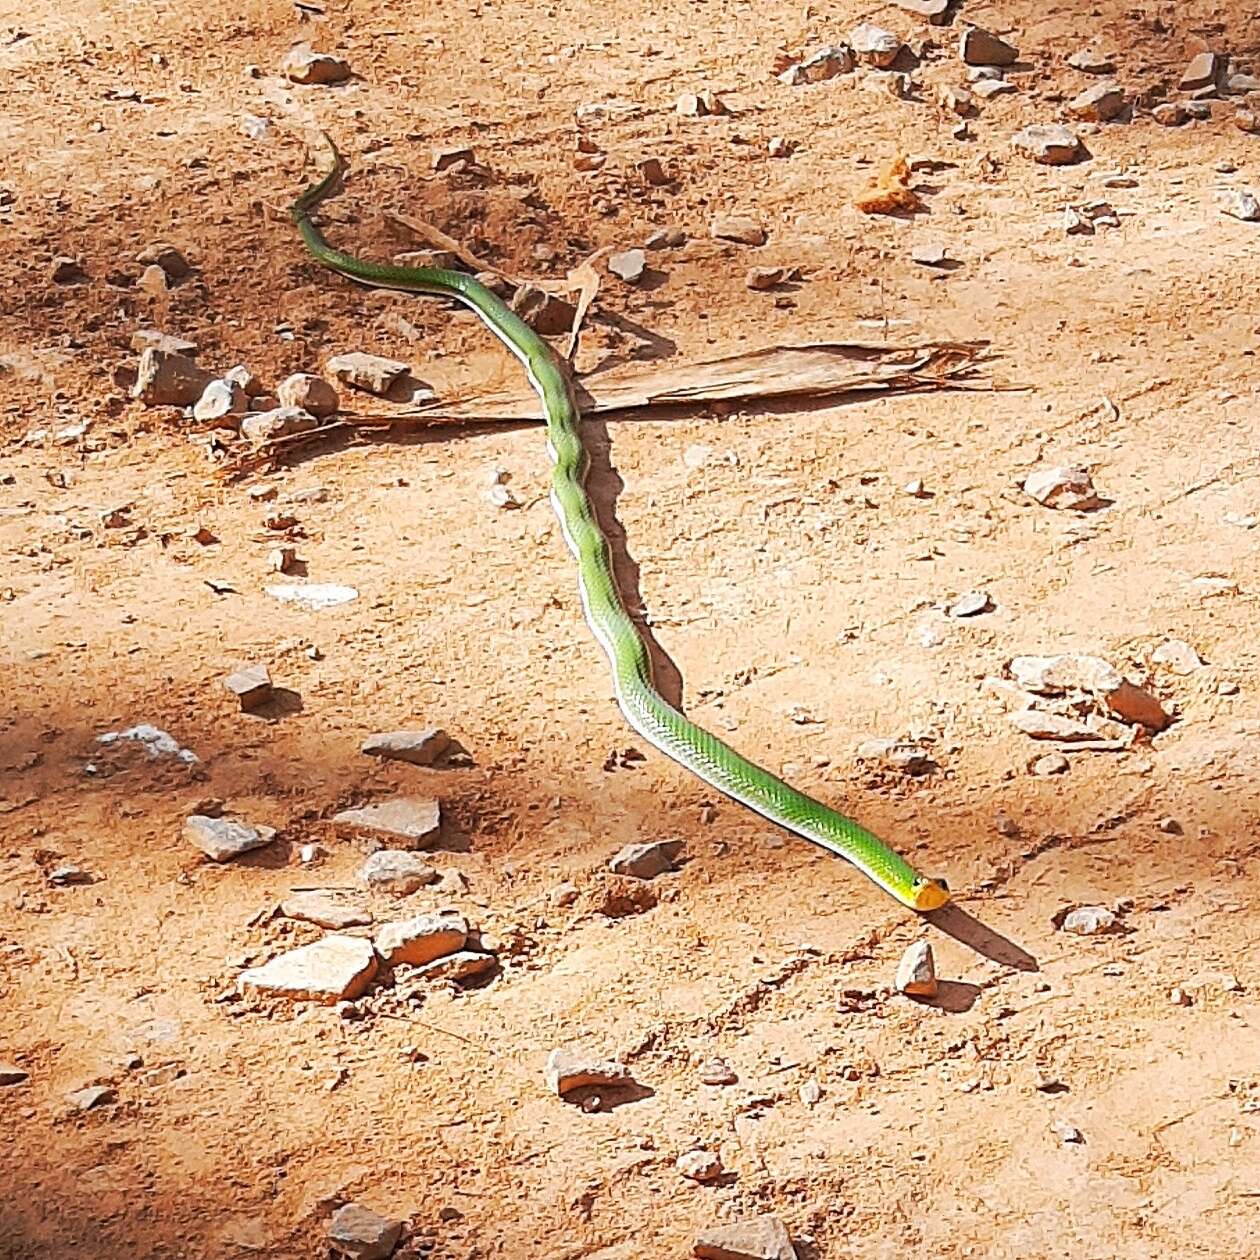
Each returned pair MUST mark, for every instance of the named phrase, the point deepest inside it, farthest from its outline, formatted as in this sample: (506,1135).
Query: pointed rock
(761,1238)
(422,939)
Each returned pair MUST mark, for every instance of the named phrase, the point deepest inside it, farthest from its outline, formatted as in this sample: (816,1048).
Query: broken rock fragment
(302,65)
(1049,144)
(280,422)
(370,372)
(251,686)
(417,748)
(1100,103)
(412,819)
(874,45)
(397,871)
(739,228)
(977,47)
(646,861)
(335,969)
(1063,486)
(222,839)
(568,1069)
(324,911)
(309,393)
(168,379)
(916,972)
(760,1238)
(361,1234)
(421,939)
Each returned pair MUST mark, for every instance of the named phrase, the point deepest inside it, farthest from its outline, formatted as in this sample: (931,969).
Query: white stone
(569,1069)
(916,972)
(1062,486)
(222,839)
(218,399)
(874,45)
(315,596)
(335,969)
(421,939)
(416,820)
(324,911)
(701,1166)
(397,871)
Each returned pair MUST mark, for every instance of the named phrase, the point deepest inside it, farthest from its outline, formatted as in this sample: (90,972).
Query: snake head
(929,894)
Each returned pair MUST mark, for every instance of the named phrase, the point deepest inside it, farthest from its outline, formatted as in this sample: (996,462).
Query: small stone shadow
(282,703)
(954,996)
(599,1099)
(404,389)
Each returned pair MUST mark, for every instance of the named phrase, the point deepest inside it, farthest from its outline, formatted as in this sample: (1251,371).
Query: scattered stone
(421,939)
(717,1071)
(1203,71)
(282,559)
(666,238)
(315,596)
(936,11)
(1050,764)
(1091,61)
(1248,120)
(280,422)
(357,1232)
(1005,825)
(66,270)
(414,819)
(1241,84)
(370,372)
(646,861)
(761,1238)
(153,281)
(701,1166)
(1241,204)
(628,265)
(978,47)
(308,393)
(544,312)
(569,1069)
(1063,486)
(763,278)
(324,911)
(1066,1133)
(874,45)
(916,972)
(929,254)
(1227,688)
(417,748)
(398,871)
(619,897)
(444,159)
(810,1093)
(67,874)
(779,147)
(699,105)
(155,742)
(168,257)
(219,399)
(1039,725)
(1136,706)
(464,964)
(1179,997)
(301,65)
(737,227)
(1169,114)
(970,604)
(167,379)
(221,839)
(251,686)
(11,1074)
(334,969)
(989,88)
(1050,144)
(1077,224)
(1170,826)
(91,1096)
(1088,921)
(957,101)
(1178,655)
(895,754)
(828,62)
(1100,103)
(150,339)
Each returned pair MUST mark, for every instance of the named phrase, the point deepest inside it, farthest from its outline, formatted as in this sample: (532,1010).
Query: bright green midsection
(646,710)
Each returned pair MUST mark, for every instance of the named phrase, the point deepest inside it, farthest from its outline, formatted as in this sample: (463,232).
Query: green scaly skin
(645,709)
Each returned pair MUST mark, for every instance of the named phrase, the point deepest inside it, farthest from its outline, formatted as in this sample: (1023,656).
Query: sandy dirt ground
(797,591)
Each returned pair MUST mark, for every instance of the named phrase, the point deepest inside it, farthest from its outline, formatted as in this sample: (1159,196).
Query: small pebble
(701,1166)
(1067,1133)
(970,604)
(628,265)
(717,1071)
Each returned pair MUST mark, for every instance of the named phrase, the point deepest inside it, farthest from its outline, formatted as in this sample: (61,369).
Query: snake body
(644,707)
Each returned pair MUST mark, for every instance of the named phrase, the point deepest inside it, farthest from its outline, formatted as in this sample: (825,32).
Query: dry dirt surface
(1093,1096)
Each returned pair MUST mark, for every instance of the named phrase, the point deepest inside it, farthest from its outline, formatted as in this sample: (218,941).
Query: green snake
(644,707)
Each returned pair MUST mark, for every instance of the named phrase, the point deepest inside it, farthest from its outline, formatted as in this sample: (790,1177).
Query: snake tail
(646,710)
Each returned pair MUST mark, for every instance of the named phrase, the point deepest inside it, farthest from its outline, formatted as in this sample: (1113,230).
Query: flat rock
(874,45)
(1063,486)
(1053,675)
(1169,114)
(308,393)
(464,964)
(1203,71)
(1178,655)
(1051,763)
(219,399)
(11,1074)
(302,65)
(978,47)
(416,820)
(444,159)
(761,1238)
(1038,725)
(1239,203)
(627,265)
(324,911)
(1100,103)
(168,379)
(1091,61)
(314,596)
(421,939)
(970,604)
(151,339)
(280,422)
(1050,144)
(335,969)
(828,62)
(91,1096)
(739,228)
(355,1231)
(251,686)
(544,312)
(936,11)
(916,972)
(647,860)
(1067,1133)
(569,1069)
(763,278)
(370,372)
(167,256)
(1088,921)
(417,748)
(397,871)
(989,88)
(701,1166)
(222,839)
